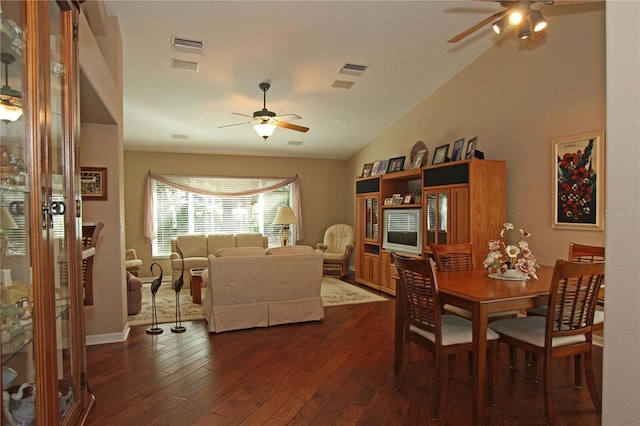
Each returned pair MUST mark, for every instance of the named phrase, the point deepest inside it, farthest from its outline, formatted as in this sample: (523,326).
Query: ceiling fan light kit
(10,99)
(265,121)
(516,13)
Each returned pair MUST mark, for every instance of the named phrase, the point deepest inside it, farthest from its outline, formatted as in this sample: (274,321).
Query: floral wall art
(578,182)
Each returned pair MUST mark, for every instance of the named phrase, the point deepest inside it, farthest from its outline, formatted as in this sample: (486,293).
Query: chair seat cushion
(333,256)
(455,330)
(190,263)
(133,263)
(532,330)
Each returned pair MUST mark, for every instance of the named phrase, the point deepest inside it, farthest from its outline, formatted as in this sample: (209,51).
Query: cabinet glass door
(436,217)
(372,218)
(60,221)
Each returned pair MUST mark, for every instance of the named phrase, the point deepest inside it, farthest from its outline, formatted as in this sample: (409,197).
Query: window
(180,212)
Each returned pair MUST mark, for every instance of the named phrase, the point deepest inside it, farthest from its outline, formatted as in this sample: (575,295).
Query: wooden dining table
(480,294)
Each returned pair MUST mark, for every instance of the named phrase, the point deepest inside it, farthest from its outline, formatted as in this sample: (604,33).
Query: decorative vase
(514,274)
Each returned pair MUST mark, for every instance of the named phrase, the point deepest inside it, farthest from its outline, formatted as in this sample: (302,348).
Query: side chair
(581,253)
(425,326)
(460,257)
(567,328)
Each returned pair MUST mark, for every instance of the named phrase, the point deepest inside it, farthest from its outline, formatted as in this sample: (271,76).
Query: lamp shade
(264,129)
(537,20)
(285,216)
(6,220)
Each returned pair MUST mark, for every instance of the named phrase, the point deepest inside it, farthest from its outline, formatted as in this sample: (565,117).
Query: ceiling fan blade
(237,124)
(244,115)
(288,117)
(292,126)
(477,26)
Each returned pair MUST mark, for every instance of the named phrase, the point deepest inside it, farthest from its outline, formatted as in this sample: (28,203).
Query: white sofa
(196,248)
(250,287)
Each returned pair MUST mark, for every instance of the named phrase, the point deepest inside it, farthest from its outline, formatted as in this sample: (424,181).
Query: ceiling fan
(516,13)
(266,121)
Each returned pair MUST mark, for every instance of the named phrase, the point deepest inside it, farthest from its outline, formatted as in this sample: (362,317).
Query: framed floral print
(578,182)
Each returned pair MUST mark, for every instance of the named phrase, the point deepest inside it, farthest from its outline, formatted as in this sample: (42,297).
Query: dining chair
(566,330)
(581,253)
(427,327)
(460,257)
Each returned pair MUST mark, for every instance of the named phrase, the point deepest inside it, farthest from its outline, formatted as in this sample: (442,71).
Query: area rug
(334,293)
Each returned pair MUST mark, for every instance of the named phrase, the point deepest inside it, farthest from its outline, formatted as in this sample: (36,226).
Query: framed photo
(388,201)
(93,183)
(375,168)
(440,154)
(456,154)
(417,197)
(396,164)
(407,199)
(382,169)
(397,199)
(366,170)
(578,182)
(419,159)
(471,148)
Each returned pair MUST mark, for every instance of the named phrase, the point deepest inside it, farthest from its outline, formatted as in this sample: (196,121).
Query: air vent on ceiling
(188,46)
(296,143)
(352,69)
(184,65)
(342,84)
(181,137)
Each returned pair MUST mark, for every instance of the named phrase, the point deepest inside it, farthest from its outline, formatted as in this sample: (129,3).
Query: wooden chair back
(419,293)
(453,257)
(573,298)
(90,234)
(585,253)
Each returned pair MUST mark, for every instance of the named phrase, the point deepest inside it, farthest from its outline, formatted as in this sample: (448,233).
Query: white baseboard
(101,339)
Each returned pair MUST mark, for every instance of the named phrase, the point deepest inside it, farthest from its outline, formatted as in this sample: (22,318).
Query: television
(403,230)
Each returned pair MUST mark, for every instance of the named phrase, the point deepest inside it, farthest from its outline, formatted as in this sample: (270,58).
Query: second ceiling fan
(266,121)
(519,13)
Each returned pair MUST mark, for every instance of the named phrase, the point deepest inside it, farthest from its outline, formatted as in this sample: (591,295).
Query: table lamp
(6,223)
(285,217)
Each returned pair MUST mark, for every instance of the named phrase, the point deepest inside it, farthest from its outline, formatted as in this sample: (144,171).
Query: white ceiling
(299,46)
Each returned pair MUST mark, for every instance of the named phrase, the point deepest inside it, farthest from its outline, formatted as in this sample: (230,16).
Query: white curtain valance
(219,187)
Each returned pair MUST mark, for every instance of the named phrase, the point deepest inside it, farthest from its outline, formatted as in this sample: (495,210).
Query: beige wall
(324,186)
(516,100)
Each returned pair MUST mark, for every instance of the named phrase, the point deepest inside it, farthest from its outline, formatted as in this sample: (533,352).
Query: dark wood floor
(336,371)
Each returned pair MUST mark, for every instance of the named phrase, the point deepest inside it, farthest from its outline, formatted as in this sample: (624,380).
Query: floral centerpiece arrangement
(503,257)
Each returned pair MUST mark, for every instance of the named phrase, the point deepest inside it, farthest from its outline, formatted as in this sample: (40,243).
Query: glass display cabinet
(43,351)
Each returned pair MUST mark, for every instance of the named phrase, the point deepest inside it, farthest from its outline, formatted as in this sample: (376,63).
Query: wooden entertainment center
(460,201)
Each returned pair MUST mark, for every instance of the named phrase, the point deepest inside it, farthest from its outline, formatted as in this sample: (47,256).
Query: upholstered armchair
(337,248)
(132,263)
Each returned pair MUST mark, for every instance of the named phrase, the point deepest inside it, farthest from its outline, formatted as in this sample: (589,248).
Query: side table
(196,284)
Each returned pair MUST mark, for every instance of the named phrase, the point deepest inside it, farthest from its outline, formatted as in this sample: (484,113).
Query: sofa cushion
(218,241)
(240,251)
(250,240)
(288,250)
(192,245)
(189,263)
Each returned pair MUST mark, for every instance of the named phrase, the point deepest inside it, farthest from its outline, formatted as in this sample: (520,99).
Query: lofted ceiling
(299,47)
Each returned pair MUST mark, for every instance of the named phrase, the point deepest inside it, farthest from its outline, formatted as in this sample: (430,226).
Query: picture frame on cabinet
(382,169)
(388,201)
(375,168)
(93,183)
(456,153)
(366,170)
(471,148)
(396,164)
(397,199)
(417,197)
(578,182)
(407,199)
(440,154)
(419,159)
